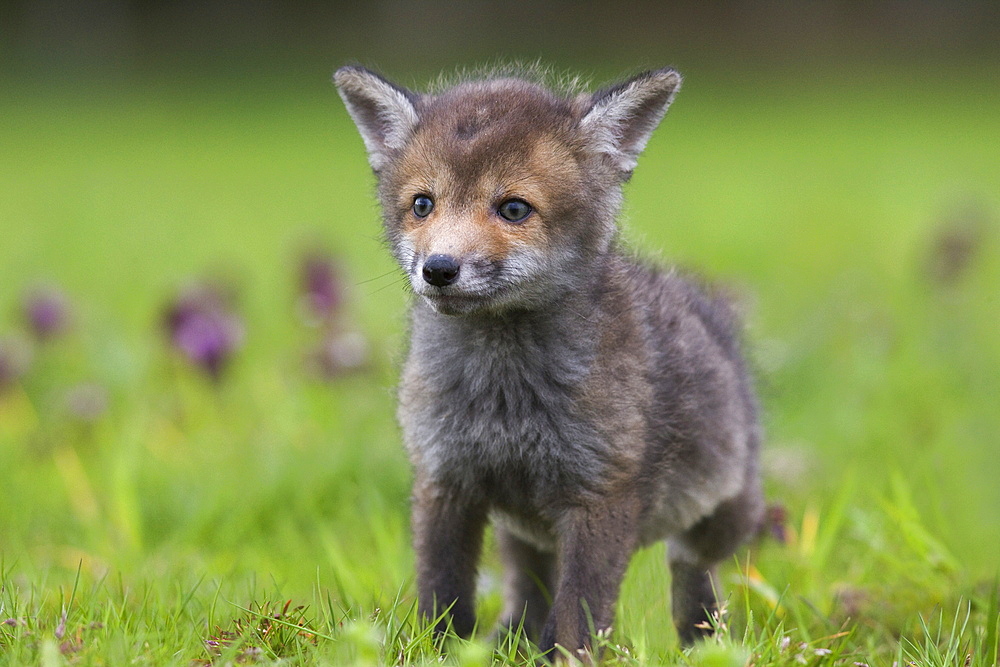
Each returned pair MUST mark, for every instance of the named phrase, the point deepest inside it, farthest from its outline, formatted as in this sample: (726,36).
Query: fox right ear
(384,112)
(621,118)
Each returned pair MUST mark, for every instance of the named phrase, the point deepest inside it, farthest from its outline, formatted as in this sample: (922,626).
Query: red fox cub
(584,403)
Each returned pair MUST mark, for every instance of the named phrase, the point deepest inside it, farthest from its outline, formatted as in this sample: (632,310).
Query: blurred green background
(837,165)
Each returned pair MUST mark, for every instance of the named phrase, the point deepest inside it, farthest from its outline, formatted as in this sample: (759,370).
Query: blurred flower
(87,402)
(321,289)
(46,310)
(776,522)
(340,350)
(203,327)
(340,353)
(957,242)
(850,601)
(15,358)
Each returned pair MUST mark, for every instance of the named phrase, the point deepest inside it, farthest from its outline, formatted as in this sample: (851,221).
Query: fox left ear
(384,112)
(620,119)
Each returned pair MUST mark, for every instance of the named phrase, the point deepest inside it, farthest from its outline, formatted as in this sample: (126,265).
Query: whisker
(402,279)
(370,280)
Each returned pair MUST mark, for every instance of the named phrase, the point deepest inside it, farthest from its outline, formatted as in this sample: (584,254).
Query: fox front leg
(448,535)
(595,545)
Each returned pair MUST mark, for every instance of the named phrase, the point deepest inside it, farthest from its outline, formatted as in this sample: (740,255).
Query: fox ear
(384,112)
(620,119)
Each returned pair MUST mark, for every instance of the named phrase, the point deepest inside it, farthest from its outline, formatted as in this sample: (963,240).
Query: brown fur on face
(586,404)
(469,157)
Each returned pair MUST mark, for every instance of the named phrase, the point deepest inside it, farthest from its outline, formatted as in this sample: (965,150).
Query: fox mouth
(455,303)
(481,286)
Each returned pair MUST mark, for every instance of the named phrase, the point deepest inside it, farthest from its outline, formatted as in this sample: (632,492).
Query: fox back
(587,403)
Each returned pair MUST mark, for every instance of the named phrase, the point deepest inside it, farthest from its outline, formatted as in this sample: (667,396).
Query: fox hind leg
(693,599)
(695,554)
(528,581)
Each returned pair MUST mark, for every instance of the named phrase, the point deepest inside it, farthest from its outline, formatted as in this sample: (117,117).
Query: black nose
(441,270)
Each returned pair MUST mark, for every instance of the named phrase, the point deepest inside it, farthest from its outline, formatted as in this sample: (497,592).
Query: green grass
(192,513)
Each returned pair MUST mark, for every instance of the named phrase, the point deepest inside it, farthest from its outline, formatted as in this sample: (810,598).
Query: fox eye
(422,206)
(514,210)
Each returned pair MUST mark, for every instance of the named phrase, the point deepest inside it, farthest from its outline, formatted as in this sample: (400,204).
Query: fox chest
(498,423)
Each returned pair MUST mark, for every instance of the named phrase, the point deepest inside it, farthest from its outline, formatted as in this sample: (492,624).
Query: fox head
(500,194)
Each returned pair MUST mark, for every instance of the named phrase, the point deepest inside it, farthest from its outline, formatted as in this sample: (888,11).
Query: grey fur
(588,404)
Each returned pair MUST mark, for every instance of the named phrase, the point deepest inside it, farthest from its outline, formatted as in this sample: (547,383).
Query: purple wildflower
(958,243)
(339,354)
(776,522)
(321,289)
(46,310)
(15,358)
(203,327)
(87,402)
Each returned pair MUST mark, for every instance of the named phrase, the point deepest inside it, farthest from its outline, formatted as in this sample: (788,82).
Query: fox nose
(441,270)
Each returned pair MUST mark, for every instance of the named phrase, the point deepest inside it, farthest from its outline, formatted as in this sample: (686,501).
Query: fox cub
(584,403)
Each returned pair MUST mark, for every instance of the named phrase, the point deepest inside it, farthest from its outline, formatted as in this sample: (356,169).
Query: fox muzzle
(441,270)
